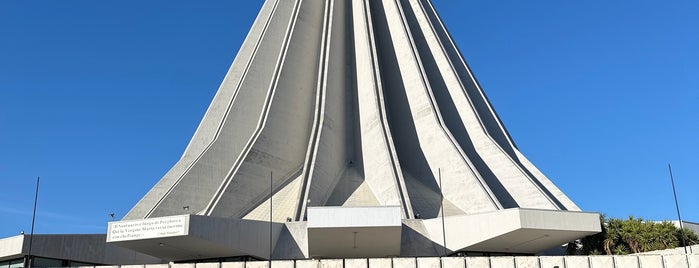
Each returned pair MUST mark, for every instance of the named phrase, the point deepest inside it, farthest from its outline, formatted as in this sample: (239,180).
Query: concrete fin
(509,181)
(380,165)
(279,145)
(201,180)
(215,114)
(328,153)
(424,145)
(480,101)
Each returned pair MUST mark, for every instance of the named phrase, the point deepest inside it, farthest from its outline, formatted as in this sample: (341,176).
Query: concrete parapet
(694,260)
(257,264)
(405,262)
(332,263)
(453,262)
(577,262)
(679,261)
(132,266)
(430,262)
(601,262)
(552,261)
(626,261)
(283,264)
(381,262)
(230,265)
(477,262)
(204,265)
(502,262)
(307,264)
(356,263)
(527,262)
(651,261)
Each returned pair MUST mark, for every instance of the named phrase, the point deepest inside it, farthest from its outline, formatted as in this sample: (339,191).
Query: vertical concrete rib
(281,142)
(520,177)
(483,107)
(213,126)
(319,175)
(381,168)
(415,105)
(502,173)
(203,179)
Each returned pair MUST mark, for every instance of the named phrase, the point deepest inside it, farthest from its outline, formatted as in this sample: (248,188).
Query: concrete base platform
(341,232)
(354,232)
(514,230)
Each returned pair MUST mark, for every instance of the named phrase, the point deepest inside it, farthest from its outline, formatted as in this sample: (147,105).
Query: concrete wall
(691,250)
(628,261)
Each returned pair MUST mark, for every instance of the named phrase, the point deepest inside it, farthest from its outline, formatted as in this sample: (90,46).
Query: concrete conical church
(350,128)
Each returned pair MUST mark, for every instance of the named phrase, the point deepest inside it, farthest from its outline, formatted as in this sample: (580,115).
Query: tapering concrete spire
(352,103)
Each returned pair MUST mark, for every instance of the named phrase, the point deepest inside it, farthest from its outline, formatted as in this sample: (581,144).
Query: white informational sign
(148,228)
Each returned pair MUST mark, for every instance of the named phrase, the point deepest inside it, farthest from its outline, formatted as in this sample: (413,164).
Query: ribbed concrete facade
(350,103)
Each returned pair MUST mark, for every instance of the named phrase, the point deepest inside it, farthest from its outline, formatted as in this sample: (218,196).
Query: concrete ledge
(194,237)
(354,231)
(86,248)
(519,230)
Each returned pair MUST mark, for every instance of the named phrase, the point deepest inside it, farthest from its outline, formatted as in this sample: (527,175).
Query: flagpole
(677,205)
(441,195)
(270,217)
(31,234)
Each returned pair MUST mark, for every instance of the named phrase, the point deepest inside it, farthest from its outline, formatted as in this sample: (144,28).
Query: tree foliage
(633,235)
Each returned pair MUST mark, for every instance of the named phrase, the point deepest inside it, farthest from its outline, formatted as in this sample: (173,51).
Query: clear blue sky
(100,98)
